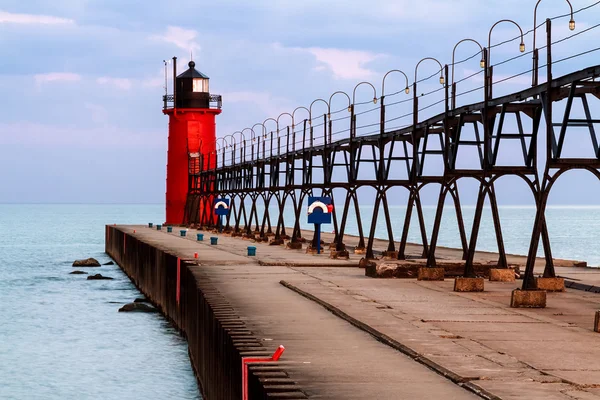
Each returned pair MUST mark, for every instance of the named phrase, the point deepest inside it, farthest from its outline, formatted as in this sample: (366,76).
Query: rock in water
(98,277)
(109,263)
(88,262)
(77,272)
(141,300)
(140,307)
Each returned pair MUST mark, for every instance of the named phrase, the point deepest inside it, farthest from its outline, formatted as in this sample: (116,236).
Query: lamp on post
(415,97)
(265,136)
(254,139)
(352,116)
(166,63)
(406,90)
(294,126)
(488,63)
(481,64)
(219,148)
(310,120)
(329,112)
(534,81)
(243,153)
(288,136)
(230,146)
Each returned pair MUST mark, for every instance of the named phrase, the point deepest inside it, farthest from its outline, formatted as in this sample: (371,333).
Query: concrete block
(528,298)
(370,267)
(339,254)
(382,271)
(468,285)
(430,274)
(294,245)
(360,250)
(502,275)
(597,322)
(312,250)
(550,284)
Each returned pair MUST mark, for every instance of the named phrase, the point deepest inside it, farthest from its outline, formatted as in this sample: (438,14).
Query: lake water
(573,230)
(61,336)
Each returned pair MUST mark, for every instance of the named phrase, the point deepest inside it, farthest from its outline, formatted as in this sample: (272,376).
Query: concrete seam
(383,338)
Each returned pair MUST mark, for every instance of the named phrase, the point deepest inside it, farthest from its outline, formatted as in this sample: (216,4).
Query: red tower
(192,131)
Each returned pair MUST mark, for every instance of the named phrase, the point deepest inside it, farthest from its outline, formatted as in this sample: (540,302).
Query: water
(61,336)
(572,229)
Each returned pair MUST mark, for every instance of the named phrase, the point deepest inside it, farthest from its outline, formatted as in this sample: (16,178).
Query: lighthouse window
(200,85)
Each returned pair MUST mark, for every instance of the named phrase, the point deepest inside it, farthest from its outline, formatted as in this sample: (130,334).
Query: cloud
(343,64)
(32,19)
(56,77)
(153,82)
(266,102)
(182,38)
(53,135)
(119,83)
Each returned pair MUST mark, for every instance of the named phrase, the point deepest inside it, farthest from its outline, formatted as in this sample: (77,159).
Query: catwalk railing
(268,173)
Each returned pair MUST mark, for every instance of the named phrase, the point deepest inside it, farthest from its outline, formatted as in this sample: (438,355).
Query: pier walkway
(352,337)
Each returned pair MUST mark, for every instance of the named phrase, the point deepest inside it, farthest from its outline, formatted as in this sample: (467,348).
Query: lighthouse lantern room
(192,141)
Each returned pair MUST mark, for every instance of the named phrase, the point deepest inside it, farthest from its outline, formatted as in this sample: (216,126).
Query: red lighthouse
(192,132)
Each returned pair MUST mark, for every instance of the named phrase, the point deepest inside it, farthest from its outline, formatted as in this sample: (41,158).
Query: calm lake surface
(61,336)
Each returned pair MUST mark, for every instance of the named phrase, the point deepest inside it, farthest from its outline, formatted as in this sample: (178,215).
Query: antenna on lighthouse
(166,62)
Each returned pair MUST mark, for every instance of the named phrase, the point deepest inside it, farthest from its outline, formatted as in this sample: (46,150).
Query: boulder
(98,277)
(109,263)
(141,300)
(77,272)
(139,307)
(88,262)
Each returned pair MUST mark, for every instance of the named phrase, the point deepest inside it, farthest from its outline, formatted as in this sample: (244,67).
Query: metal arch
(489,47)
(552,179)
(264,126)
(406,90)
(534,78)
(454,53)
(294,113)
(242,134)
(287,134)
(310,108)
(294,127)
(364,83)
(254,133)
(265,135)
(535,19)
(524,177)
(282,114)
(433,59)
(331,98)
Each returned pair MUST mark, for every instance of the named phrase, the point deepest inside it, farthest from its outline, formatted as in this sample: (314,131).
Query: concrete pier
(348,336)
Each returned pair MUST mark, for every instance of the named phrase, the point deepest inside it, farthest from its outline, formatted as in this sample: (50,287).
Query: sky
(82,80)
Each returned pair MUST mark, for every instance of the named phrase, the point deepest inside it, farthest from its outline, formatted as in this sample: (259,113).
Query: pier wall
(216,337)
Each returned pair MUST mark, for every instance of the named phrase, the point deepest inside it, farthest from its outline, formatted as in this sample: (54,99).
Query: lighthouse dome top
(192,72)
